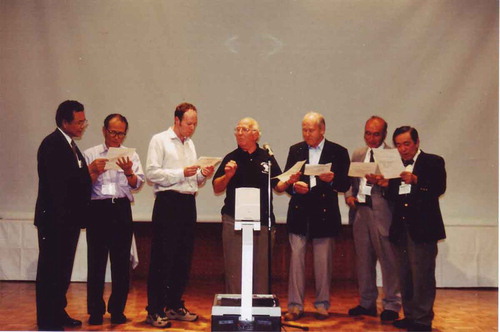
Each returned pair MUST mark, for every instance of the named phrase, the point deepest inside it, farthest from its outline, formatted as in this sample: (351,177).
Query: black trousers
(57,248)
(109,232)
(174,219)
(416,263)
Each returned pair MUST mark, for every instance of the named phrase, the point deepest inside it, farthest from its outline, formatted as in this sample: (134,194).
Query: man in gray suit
(371,216)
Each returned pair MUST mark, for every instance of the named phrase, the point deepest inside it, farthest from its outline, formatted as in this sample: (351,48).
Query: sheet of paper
(360,169)
(247,204)
(114,154)
(208,161)
(294,169)
(317,169)
(389,162)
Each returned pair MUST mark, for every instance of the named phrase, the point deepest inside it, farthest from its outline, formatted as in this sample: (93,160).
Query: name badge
(80,164)
(404,189)
(109,189)
(367,190)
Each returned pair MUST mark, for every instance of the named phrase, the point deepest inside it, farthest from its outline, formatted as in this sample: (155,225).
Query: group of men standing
(397,221)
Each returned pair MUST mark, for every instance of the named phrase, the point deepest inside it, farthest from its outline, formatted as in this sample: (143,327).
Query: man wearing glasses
(61,210)
(109,229)
(247,166)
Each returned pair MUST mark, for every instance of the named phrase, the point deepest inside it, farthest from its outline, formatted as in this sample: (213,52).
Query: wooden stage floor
(455,309)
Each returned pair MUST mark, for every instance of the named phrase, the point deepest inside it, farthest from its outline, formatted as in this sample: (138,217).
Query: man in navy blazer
(313,213)
(416,227)
(63,199)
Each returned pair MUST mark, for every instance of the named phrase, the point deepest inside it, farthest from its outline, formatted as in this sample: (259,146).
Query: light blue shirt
(314,155)
(118,178)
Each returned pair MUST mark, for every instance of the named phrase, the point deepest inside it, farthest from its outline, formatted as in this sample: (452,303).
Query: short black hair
(65,111)
(405,129)
(116,115)
(183,108)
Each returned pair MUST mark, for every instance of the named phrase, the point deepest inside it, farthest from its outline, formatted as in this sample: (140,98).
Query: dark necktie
(368,198)
(408,162)
(73,147)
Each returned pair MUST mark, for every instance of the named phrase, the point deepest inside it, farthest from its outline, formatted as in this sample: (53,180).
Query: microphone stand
(269,226)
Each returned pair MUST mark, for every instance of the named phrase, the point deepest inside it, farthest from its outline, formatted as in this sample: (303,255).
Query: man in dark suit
(371,217)
(313,213)
(416,227)
(63,199)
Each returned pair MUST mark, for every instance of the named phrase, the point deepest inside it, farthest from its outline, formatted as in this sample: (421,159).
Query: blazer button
(406,204)
(324,210)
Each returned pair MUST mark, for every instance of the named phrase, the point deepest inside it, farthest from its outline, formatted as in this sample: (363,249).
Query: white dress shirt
(114,178)
(167,158)
(362,183)
(314,156)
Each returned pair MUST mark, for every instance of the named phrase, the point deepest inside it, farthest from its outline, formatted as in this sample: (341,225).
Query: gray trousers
(370,246)
(323,261)
(417,273)
(231,242)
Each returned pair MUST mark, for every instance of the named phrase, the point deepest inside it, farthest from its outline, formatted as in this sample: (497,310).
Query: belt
(174,192)
(114,200)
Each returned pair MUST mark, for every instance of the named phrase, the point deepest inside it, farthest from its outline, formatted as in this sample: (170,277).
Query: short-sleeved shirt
(252,172)
(113,177)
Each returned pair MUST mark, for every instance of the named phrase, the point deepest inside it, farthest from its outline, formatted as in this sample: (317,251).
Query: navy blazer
(63,188)
(420,209)
(316,213)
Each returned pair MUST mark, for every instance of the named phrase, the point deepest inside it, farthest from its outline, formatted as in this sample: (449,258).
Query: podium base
(226,310)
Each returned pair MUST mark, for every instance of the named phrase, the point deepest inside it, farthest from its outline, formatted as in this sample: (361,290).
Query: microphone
(267,147)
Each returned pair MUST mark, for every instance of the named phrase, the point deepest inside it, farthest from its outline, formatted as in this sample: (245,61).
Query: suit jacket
(63,187)
(420,208)
(380,205)
(317,213)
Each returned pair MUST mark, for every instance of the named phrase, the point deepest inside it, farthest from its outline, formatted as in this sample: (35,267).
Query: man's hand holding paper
(389,163)
(114,154)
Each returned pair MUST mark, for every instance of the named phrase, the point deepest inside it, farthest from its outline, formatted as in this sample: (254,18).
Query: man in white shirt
(171,167)
(110,226)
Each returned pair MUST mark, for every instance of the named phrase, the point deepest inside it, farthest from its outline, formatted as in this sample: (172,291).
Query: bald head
(313,128)
(247,134)
(375,132)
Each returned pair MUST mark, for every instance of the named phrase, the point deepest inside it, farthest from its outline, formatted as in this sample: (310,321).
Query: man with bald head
(247,166)
(371,216)
(313,213)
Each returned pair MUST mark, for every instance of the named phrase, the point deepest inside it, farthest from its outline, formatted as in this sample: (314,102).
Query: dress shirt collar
(409,168)
(319,147)
(171,133)
(69,139)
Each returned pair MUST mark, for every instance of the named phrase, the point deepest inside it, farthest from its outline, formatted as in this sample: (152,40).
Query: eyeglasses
(82,123)
(116,133)
(244,130)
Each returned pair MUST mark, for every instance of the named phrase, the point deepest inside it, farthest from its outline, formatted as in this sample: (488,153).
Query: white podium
(246,311)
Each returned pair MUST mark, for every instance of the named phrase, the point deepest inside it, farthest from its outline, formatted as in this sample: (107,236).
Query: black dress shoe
(388,315)
(70,322)
(95,320)
(404,323)
(118,319)
(420,327)
(359,310)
